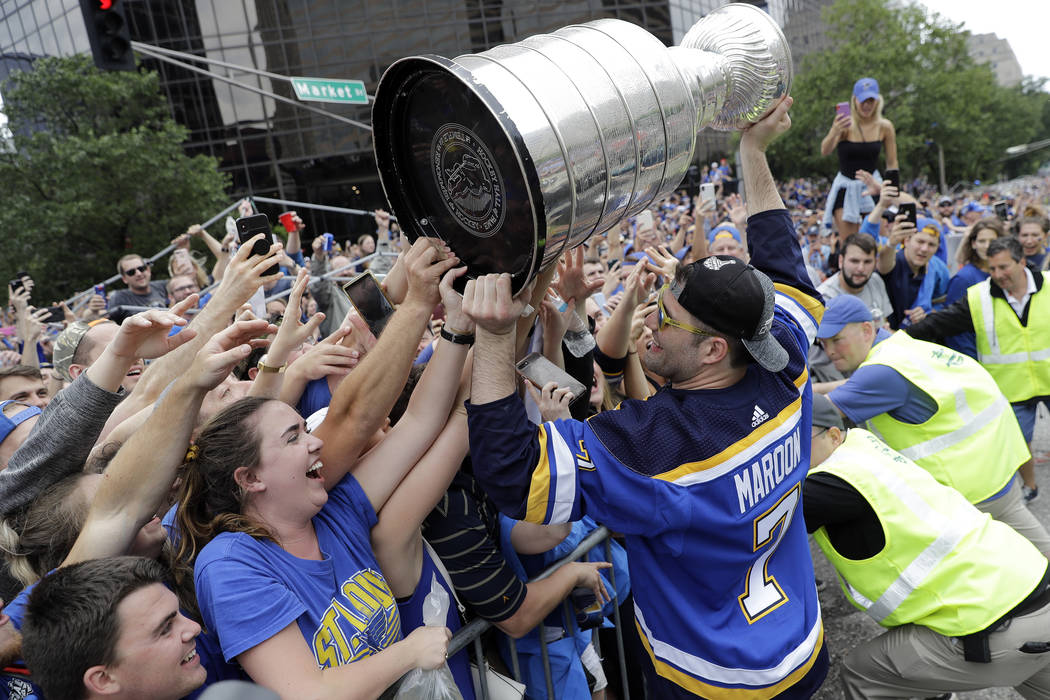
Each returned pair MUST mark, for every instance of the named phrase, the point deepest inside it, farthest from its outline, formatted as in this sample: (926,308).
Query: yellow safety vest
(1017,357)
(973,442)
(945,564)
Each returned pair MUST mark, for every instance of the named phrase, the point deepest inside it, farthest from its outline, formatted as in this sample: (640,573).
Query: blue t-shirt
(250,589)
(411,612)
(316,395)
(876,389)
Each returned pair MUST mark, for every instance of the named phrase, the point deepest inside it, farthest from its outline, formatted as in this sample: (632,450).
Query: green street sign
(322,90)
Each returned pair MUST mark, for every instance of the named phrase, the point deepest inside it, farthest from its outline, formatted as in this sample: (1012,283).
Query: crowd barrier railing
(471,633)
(80,298)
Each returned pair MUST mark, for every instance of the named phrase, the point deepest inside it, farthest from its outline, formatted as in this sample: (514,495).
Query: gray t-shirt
(873,294)
(157,297)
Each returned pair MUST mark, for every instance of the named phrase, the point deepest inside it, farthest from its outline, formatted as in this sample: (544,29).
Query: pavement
(845,626)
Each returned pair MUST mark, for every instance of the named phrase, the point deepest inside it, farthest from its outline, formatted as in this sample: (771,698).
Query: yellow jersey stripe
(717,692)
(539,487)
(813,307)
(736,448)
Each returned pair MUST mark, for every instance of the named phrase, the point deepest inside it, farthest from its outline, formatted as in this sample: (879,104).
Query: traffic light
(107,30)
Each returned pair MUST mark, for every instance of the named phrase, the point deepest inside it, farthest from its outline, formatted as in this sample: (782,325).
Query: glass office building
(276,149)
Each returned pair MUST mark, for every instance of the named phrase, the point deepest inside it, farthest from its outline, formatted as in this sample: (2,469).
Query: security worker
(935,406)
(966,598)
(1010,315)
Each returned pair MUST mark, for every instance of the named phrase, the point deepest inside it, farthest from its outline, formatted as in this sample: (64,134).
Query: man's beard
(849,283)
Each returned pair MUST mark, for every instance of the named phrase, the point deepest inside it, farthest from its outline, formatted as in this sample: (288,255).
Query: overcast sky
(1024,23)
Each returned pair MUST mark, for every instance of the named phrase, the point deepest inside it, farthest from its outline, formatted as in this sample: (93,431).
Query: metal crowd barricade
(82,297)
(471,633)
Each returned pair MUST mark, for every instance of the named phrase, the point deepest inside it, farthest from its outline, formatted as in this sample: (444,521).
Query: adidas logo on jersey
(758,417)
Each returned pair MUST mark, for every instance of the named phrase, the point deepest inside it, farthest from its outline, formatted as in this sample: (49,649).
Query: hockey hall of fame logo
(468,179)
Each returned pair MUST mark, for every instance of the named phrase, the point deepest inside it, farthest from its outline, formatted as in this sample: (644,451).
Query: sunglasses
(663,320)
(135,270)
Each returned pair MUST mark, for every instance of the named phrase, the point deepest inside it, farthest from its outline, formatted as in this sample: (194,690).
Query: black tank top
(858,155)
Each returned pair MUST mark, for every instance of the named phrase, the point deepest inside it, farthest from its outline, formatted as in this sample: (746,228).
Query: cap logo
(764,329)
(716,264)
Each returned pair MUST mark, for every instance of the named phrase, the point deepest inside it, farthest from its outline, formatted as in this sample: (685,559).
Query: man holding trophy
(520,153)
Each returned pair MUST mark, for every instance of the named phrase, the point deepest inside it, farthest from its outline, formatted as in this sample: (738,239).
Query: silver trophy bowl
(520,153)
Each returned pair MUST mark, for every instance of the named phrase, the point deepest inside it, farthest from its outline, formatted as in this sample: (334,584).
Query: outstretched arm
(363,400)
(140,476)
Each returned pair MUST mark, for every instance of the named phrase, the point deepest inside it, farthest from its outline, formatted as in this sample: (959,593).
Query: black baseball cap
(736,299)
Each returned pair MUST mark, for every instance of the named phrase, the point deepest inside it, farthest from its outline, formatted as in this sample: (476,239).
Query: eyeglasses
(135,270)
(818,433)
(663,320)
(186,288)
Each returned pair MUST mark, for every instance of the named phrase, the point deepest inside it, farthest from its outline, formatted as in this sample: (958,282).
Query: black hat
(736,299)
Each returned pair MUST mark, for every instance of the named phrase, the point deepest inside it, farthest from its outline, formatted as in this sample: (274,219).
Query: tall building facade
(989,48)
(272,148)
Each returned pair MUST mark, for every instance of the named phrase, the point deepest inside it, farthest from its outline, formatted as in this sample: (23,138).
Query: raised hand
(763,132)
(293,332)
(146,334)
(455,319)
(425,263)
(488,300)
(572,284)
(245,272)
(214,362)
(661,261)
(737,211)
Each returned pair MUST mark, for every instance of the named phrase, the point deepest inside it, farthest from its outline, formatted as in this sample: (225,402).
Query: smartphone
(910,213)
(707,192)
(248,226)
(893,178)
(1001,209)
(370,301)
(539,370)
(842,109)
(17,284)
(55,314)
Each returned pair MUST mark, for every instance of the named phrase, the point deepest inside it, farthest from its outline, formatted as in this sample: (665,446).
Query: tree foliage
(98,170)
(934,93)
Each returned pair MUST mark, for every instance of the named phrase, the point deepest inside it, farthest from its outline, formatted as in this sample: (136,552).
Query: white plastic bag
(436,684)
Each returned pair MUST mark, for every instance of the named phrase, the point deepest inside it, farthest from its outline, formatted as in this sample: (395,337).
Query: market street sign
(323,90)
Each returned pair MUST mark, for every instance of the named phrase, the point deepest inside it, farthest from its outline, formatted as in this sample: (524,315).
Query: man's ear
(99,681)
(76,370)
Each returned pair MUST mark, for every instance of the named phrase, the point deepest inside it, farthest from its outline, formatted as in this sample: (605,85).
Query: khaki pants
(1011,509)
(913,661)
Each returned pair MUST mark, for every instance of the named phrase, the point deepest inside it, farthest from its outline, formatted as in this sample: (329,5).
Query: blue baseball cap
(924,224)
(840,311)
(865,89)
(723,231)
(973,206)
(9,423)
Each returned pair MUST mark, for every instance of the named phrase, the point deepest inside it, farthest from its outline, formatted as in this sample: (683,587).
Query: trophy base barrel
(454,170)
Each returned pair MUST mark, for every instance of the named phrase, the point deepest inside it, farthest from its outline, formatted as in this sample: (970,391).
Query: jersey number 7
(762,594)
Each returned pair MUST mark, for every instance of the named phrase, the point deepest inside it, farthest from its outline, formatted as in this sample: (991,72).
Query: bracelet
(270,369)
(457,338)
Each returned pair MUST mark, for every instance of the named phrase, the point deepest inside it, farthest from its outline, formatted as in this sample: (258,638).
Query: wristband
(269,369)
(457,338)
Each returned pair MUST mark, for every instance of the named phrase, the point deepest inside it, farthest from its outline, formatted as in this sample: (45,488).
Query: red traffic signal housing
(107,30)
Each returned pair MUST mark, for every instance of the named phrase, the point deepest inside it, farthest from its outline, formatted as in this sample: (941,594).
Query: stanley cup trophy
(520,153)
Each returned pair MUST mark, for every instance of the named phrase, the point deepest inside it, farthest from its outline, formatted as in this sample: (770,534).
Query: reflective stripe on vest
(1017,356)
(944,564)
(972,442)
(952,531)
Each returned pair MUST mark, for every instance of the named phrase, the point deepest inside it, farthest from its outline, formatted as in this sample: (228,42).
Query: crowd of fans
(224,475)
